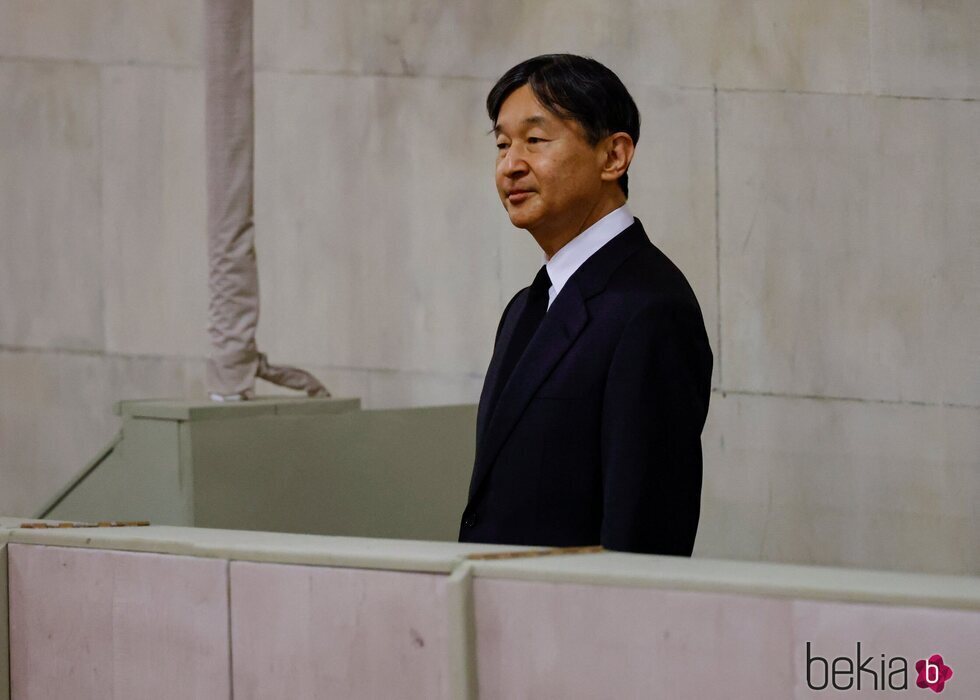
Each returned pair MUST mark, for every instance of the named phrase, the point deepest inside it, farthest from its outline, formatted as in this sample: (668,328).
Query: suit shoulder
(649,277)
(517,295)
(505,312)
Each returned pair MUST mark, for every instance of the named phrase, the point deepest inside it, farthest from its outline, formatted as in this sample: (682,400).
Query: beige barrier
(4,640)
(319,466)
(324,466)
(184,612)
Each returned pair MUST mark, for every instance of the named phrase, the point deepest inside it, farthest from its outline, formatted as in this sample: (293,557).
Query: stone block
(104,31)
(925,49)
(925,205)
(815,45)
(849,248)
(50,250)
(305,632)
(841,483)
(373,237)
(805,45)
(407,389)
(538,639)
(100,624)
(155,211)
(56,414)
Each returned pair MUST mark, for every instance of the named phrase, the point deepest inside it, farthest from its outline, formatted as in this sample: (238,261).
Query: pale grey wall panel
(154,218)
(53,419)
(56,414)
(817,45)
(926,49)
(374,247)
(50,252)
(396,389)
(167,31)
(847,229)
(880,486)
(808,45)
(925,219)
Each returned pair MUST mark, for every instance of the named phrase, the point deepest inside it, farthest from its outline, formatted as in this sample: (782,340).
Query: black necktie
(527,324)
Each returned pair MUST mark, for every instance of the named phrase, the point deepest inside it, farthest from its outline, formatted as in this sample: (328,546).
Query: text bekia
(873,673)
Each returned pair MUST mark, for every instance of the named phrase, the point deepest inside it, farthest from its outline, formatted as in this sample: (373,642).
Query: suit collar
(502,406)
(593,276)
(563,264)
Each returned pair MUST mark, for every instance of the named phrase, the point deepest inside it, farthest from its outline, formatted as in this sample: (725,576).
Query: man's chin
(521,220)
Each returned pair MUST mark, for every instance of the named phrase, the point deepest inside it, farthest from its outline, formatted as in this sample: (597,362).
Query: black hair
(574,87)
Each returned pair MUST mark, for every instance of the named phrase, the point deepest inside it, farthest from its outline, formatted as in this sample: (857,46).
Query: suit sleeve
(654,407)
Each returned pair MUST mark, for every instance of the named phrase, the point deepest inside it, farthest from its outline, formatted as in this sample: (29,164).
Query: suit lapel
(502,406)
(558,330)
(491,385)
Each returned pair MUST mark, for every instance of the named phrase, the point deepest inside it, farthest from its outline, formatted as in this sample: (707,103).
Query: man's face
(548,176)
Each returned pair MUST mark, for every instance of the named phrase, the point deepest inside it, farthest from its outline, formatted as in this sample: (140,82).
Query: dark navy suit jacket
(596,436)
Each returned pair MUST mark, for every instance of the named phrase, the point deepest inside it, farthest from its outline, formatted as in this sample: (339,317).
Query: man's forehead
(532,120)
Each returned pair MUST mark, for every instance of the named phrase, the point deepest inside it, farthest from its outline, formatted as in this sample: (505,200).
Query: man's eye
(501,146)
(535,139)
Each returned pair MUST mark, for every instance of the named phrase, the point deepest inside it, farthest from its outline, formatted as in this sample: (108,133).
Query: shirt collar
(570,257)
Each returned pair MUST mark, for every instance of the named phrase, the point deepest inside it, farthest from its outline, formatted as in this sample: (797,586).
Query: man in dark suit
(589,425)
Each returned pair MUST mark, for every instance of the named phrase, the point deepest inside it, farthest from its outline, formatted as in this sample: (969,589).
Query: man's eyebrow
(536,120)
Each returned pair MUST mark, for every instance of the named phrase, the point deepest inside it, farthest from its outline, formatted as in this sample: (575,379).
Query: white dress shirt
(570,257)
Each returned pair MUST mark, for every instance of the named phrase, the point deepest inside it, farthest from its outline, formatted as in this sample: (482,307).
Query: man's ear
(616,151)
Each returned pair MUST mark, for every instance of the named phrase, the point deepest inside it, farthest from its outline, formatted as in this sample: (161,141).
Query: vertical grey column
(233,274)
(233,279)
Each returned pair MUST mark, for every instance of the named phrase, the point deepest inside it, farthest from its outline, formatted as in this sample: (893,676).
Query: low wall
(324,466)
(311,466)
(185,612)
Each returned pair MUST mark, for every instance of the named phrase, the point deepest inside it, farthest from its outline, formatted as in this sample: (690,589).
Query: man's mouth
(518,196)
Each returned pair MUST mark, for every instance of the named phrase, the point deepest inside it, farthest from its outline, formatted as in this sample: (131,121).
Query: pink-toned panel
(909,634)
(552,640)
(88,623)
(315,632)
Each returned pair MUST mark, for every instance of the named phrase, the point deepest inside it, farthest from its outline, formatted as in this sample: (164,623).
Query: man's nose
(513,163)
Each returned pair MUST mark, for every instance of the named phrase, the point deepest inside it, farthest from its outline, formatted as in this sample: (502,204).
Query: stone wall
(812,166)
